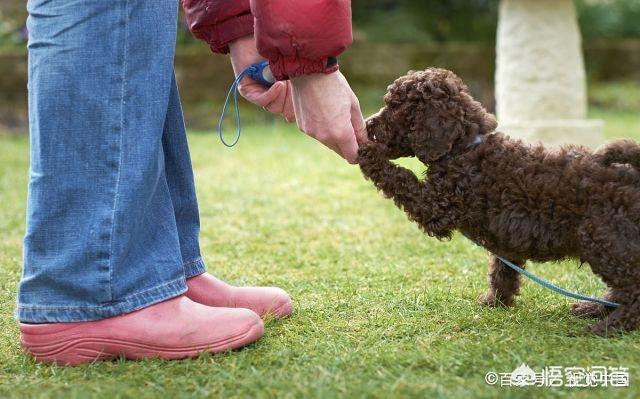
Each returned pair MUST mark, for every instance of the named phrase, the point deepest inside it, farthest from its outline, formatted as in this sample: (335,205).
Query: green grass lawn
(381,309)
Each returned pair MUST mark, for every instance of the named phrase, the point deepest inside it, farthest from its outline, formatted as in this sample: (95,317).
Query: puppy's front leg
(504,284)
(433,212)
(397,183)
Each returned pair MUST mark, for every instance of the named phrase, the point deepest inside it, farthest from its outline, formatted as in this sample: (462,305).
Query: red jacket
(297,36)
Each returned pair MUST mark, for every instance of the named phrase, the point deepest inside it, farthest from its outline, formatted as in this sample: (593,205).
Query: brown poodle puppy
(519,201)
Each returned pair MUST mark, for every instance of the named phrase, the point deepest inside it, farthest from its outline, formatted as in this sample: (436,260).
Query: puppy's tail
(619,151)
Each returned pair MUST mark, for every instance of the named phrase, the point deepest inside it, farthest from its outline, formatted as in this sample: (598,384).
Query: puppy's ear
(433,136)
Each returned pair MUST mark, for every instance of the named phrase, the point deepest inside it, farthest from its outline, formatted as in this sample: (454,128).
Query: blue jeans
(112,216)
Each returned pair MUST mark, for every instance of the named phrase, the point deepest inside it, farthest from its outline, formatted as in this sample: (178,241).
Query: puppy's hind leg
(624,318)
(591,309)
(612,249)
(504,284)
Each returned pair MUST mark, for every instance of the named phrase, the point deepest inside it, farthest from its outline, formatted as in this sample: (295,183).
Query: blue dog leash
(257,72)
(552,287)
(548,285)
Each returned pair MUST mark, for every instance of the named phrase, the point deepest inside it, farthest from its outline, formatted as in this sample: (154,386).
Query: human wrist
(240,44)
(243,53)
(312,78)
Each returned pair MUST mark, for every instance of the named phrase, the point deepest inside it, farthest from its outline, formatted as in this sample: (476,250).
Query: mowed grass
(381,309)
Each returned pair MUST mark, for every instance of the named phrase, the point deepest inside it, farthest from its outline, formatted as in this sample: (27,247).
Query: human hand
(327,110)
(275,99)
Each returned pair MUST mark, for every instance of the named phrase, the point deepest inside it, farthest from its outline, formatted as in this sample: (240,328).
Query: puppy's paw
(491,299)
(617,323)
(589,310)
(371,152)
(602,329)
(372,147)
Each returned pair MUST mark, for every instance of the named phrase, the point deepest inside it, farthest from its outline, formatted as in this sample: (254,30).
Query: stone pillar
(540,77)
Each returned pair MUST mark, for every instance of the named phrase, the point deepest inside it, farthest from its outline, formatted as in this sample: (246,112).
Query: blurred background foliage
(425,21)
(456,34)
(417,21)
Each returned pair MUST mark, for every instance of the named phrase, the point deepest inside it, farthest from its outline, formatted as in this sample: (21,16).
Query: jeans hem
(68,314)
(194,268)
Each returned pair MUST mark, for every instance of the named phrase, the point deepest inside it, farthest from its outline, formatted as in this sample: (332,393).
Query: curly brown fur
(519,201)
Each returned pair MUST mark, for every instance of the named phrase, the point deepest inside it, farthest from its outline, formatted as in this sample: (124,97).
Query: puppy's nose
(370,125)
(375,116)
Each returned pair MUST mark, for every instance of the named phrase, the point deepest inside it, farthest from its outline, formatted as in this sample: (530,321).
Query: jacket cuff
(220,35)
(285,68)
